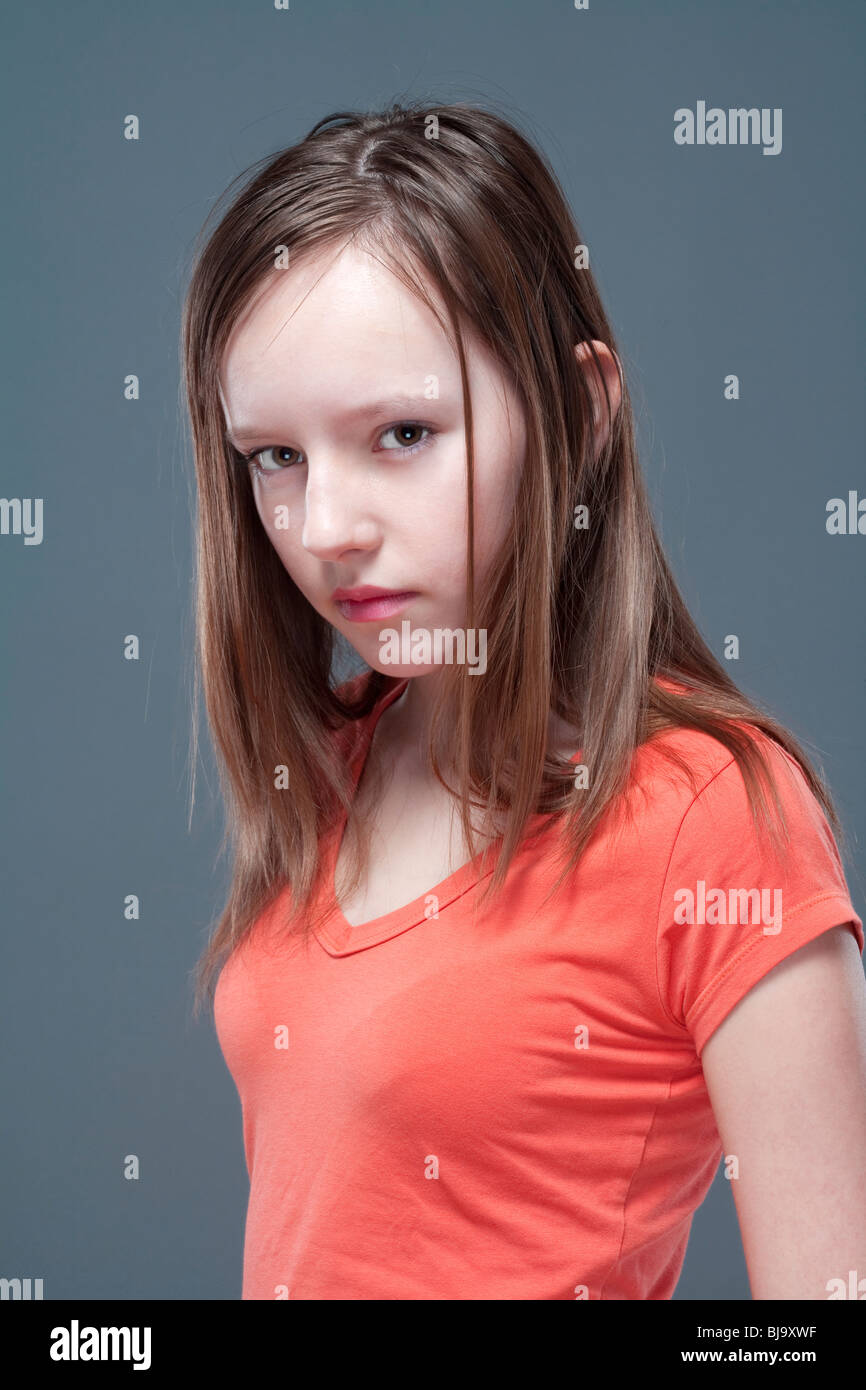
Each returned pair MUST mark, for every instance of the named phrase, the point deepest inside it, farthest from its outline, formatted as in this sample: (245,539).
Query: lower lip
(372,610)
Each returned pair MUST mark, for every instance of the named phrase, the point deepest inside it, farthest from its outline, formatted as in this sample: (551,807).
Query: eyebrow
(389,405)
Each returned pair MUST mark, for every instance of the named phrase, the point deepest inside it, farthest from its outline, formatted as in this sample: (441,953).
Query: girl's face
(345,386)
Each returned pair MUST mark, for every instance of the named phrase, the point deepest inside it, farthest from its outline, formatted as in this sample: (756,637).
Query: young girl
(538,915)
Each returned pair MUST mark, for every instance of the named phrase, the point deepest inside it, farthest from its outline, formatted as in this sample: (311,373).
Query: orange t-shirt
(510,1104)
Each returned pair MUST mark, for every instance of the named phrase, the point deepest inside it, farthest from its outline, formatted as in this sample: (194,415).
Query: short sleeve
(732,906)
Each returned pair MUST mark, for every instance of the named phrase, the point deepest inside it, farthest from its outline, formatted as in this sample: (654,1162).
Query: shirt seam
(662,1100)
(664,1008)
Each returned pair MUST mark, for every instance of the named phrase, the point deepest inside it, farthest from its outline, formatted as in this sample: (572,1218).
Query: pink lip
(373,608)
(361,591)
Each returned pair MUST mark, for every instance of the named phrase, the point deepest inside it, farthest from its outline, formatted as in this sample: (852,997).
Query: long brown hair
(587,622)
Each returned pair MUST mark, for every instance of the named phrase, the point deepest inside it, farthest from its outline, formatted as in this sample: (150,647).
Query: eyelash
(253,455)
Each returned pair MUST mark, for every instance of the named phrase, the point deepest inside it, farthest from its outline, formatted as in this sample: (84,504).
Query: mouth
(370,605)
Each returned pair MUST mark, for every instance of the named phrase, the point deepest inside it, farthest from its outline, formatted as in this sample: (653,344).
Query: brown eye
(408,445)
(279,455)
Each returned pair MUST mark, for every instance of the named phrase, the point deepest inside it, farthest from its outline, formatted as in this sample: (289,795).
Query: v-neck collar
(335,932)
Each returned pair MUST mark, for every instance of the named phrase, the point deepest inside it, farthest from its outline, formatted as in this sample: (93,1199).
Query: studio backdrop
(729,255)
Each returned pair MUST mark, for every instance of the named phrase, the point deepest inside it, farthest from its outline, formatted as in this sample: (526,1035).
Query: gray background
(710,261)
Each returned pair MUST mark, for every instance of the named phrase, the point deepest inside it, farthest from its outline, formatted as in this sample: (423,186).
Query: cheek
(283,528)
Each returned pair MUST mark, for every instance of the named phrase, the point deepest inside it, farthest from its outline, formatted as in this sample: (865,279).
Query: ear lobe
(612,369)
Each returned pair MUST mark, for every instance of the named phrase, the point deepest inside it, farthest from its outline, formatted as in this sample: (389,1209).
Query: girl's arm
(786,1075)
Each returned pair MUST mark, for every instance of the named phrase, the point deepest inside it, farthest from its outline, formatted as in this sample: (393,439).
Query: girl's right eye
(278,449)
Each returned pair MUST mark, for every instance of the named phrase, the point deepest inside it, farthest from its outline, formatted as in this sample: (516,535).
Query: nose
(337,516)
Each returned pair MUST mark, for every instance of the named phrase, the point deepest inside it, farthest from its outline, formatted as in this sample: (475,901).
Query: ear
(613,378)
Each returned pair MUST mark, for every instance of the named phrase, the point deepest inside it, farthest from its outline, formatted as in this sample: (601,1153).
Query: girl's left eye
(408,426)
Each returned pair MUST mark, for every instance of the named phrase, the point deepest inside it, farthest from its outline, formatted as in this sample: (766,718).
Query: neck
(410,716)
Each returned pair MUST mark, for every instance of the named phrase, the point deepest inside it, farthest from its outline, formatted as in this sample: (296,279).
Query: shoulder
(734,901)
(713,832)
(683,766)
(693,803)
(679,768)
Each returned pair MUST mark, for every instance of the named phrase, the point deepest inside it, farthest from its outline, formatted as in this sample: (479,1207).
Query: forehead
(342,310)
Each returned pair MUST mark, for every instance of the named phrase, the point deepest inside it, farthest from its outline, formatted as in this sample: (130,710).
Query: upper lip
(365,591)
